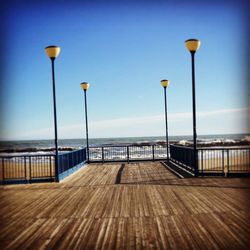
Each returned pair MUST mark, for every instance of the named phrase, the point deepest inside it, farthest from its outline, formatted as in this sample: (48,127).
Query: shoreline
(47,146)
(162,143)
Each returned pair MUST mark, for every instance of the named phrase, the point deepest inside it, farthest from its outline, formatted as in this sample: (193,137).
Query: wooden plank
(150,209)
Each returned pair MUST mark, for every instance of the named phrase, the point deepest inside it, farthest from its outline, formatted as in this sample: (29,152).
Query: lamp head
(52,51)
(164,83)
(192,45)
(84,85)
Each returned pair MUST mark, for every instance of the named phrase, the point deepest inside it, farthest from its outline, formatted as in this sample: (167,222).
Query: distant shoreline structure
(47,146)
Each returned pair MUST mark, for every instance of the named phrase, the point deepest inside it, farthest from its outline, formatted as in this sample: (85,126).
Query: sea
(46,146)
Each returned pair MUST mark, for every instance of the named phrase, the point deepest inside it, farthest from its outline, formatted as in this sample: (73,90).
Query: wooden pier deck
(126,206)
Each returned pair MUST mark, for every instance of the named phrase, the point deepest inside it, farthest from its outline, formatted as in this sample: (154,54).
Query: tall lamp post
(53,52)
(193,45)
(85,87)
(164,84)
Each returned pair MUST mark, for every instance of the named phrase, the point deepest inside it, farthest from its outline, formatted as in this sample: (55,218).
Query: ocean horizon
(69,144)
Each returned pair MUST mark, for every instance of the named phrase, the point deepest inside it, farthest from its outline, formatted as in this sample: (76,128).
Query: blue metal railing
(127,153)
(213,161)
(27,168)
(39,168)
(224,161)
(183,156)
(70,162)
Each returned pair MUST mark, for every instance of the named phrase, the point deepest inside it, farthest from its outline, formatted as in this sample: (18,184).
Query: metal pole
(55,120)
(194,115)
(86,120)
(166,120)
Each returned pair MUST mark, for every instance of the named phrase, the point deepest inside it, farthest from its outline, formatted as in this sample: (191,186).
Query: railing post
(56,168)
(25,171)
(228,161)
(84,154)
(30,169)
(50,168)
(223,167)
(128,153)
(196,167)
(102,155)
(248,156)
(3,169)
(202,161)
(153,152)
(170,150)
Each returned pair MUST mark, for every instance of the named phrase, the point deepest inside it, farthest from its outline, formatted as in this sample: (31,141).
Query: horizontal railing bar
(223,148)
(26,155)
(126,153)
(121,146)
(39,155)
(125,160)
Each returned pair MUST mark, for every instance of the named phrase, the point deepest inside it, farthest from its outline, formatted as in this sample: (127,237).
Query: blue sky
(123,51)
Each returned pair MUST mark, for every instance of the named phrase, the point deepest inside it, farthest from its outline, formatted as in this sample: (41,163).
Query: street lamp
(193,45)
(53,52)
(164,84)
(85,87)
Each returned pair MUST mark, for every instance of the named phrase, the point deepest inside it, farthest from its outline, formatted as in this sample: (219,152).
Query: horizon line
(122,137)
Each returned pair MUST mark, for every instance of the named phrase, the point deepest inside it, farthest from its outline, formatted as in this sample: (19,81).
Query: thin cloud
(159,118)
(113,127)
(224,112)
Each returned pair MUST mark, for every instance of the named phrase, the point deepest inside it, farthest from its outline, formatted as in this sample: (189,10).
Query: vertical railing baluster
(36,165)
(223,166)
(248,157)
(209,159)
(43,166)
(202,167)
(3,169)
(7,164)
(25,171)
(238,158)
(54,166)
(153,151)
(85,153)
(30,169)
(13,167)
(18,168)
(102,155)
(50,167)
(198,161)
(241,160)
(36,162)
(212,160)
(215,159)
(128,153)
